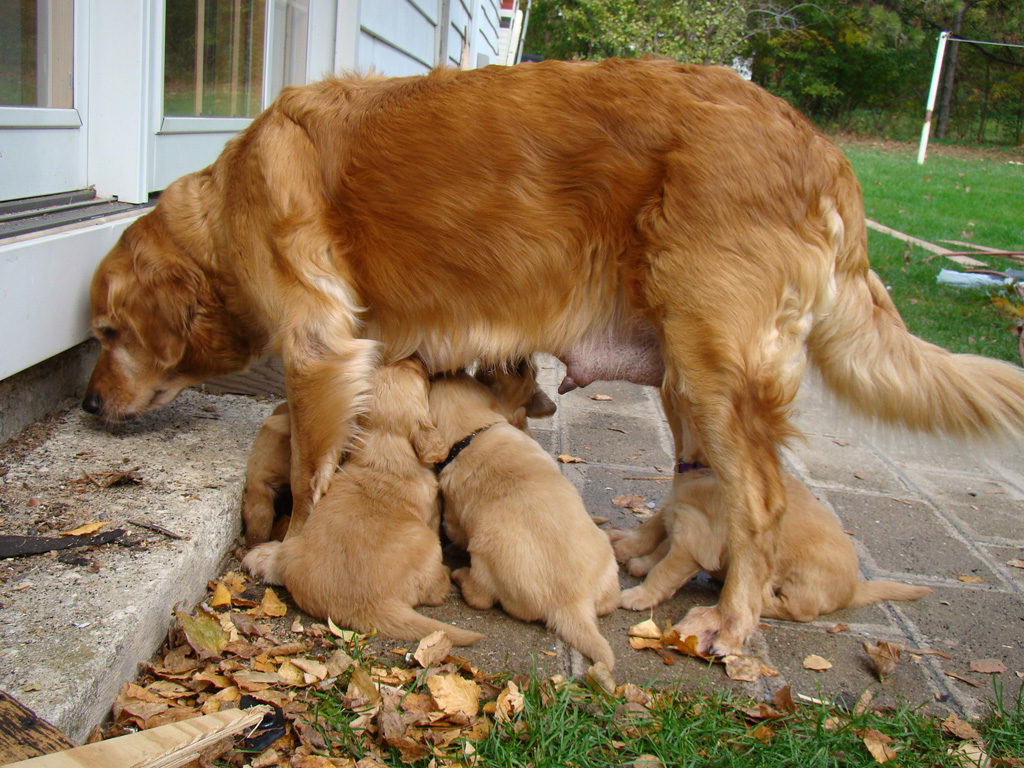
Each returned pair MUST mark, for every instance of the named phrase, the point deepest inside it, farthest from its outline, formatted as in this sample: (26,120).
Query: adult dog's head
(161,321)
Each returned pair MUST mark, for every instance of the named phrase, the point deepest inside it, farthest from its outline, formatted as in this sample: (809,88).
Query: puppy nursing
(816,568)
(532,545)
(370,550)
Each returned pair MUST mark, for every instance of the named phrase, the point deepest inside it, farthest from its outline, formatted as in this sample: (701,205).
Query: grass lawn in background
(974,197)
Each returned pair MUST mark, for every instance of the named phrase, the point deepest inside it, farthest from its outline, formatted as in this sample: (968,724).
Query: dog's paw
(623,543)
(637,599)
(641,566)
(704,623)
(261,563)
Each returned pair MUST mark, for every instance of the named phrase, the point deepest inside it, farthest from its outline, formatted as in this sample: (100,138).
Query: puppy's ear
(428,443)
(540,406)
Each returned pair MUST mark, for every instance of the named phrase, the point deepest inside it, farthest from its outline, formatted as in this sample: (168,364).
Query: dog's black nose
(92,403)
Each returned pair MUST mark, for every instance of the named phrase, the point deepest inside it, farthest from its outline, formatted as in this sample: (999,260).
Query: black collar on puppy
(459,447)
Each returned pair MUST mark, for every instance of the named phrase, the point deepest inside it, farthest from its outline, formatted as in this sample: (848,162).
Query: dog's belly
(622,354)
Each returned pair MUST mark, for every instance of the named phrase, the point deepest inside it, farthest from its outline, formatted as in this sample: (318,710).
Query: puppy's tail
(401,621)
(868,592)
(867,356)
(577,625)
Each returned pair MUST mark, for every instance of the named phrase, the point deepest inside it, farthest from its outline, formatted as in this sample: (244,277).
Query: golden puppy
(816,569)
(583,199)
(515,388)
(370,551)
(266,474)
(532,545)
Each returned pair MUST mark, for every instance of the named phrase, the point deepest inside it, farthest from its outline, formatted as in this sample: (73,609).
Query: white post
(932,92)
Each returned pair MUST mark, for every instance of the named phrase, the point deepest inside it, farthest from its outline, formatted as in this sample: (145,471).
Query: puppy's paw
(637,599)
(261,562)
(641,566)
(623,543)
(704,623)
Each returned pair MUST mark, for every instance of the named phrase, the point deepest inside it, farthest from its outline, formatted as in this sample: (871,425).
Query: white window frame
(43,149)
(120,140)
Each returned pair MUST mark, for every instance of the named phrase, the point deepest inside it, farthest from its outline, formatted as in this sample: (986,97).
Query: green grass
(572,725)
(976,199)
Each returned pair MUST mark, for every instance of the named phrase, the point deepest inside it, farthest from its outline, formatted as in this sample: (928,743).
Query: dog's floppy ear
(155,291)
(428,443)
(540,406)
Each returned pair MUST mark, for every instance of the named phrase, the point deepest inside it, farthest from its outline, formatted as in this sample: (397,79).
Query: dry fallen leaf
(883,655)
(970,755)
(971,579)
(204,633)
(600,679)
(954,726)
(1016,562)
(743,668)
(629,500)
(646,629)
(221,596)
(817,663)
(455,694)
(433,649)
(565,458)
(271,604)
(600,397)
(878,745)
(835,630)
(988,666)
(510,703)
(85,530)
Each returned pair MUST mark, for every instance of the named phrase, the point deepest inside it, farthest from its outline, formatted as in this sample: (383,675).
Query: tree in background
(686,30)
(860,66)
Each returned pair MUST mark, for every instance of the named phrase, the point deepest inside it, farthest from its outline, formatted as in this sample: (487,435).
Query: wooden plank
(23,734)
(168,746)
(967,261)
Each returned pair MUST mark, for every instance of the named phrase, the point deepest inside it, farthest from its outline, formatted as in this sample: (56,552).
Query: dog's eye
(106,333)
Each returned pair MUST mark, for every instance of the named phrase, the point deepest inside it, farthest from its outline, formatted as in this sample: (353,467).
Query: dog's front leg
(327,389)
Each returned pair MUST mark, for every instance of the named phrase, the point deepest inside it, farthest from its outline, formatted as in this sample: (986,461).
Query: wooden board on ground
(967,261)
(23,734)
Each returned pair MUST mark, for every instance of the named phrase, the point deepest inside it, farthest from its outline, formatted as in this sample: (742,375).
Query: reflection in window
(36,53)
(215,54)
(213,62)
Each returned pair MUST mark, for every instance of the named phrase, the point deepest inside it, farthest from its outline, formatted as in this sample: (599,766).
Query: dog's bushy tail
(867,356)
(402,622)
(868,592)
(576,624)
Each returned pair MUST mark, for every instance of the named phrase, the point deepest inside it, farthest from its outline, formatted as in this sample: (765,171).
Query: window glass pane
(36,53)
(213,65)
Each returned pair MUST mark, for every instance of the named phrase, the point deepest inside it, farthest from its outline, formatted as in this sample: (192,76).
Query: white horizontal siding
(397,37)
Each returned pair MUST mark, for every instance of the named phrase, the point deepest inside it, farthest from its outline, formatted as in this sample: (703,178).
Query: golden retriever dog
(816,568)
(370,550)
(346,225)
(267,474)
(531,543)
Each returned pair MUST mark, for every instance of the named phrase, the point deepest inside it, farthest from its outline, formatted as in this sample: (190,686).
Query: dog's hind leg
(739,403)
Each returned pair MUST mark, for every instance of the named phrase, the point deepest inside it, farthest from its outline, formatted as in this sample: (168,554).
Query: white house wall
(486,44)
(397,37)
(44,278)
